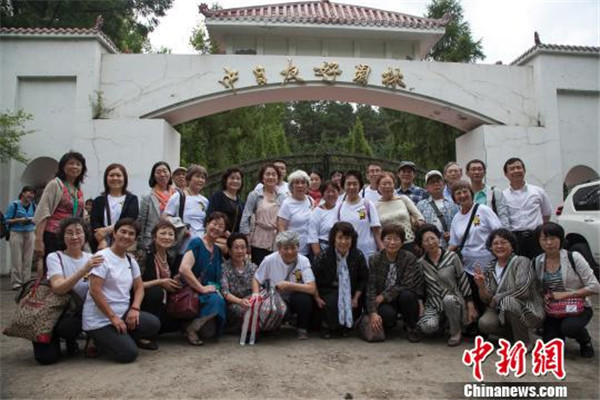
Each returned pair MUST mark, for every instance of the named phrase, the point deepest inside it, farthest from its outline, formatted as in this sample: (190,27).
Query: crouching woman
(292,276)
(109,316)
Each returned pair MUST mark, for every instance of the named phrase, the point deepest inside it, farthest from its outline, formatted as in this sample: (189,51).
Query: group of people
(454,257)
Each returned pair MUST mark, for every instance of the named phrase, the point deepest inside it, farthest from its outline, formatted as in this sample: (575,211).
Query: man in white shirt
(370,191)
(528,207)
(452,174)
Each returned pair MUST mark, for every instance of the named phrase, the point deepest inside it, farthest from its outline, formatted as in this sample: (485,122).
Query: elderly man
(179,177)
(406,174)
(370,191)
(528,207)
(452,174)
(489,196)
(293,277)
(438,210)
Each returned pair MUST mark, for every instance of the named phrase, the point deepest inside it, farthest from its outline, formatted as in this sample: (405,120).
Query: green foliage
(457,45)
(357,142)
(126,22)
(99,110)
(12,129)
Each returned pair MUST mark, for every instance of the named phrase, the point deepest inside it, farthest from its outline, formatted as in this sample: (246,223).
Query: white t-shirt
(68,268)
(275,270)
(362,221)
(320,224)
(297,213)
(115,206)
(118,274)
(282,188)
(526,207)
(370,194)
(194,214)
(474,252)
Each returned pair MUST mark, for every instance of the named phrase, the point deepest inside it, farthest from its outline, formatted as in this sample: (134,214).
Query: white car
(580,218)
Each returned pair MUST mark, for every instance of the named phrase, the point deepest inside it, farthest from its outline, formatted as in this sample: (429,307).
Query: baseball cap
(409,164)
(433,172)
(184,169)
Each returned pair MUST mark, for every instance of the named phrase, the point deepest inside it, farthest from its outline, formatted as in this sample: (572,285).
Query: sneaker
(301,334)
(586,350)
(412,335)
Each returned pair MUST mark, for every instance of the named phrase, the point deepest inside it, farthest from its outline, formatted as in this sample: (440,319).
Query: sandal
(90,350)
(147,344)
(454,341)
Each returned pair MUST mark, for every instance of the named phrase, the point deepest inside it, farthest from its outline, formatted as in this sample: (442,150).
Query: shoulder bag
(570,307)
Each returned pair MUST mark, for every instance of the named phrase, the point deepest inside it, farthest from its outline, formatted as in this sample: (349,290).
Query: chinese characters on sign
(545,358)
(328,72)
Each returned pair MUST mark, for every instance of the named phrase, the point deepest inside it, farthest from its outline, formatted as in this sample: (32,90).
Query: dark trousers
(154,303)
(122,346)
(527,246)
(67,328)
(301,305)
(258,254)
(407,303)
(330,313)
(50,245)
(573,327)
(479,304)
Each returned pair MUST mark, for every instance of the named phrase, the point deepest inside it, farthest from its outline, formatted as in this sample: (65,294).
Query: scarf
(392,276)
(344,292)
(162,197)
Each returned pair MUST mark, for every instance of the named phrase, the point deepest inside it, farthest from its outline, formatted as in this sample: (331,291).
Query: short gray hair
(287,238)
(296,176)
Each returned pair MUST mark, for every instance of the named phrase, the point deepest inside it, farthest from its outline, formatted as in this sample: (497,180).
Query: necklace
(161,260)
(229,195)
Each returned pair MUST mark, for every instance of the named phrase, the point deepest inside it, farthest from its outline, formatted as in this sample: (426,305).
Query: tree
(12,129)
(357,143)
(457,44)
(126,22)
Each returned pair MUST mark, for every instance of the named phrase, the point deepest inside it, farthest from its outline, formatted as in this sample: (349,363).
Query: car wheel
(585,251)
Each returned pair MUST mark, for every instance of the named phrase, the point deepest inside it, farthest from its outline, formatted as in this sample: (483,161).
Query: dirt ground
(278,367)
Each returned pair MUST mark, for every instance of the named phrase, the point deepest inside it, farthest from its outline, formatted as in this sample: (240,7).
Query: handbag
(183,304)
(367,333)
(38,311)
(570,307)
(272,309)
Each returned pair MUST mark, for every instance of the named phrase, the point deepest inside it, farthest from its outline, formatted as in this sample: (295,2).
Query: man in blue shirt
(406,175)
(22,236)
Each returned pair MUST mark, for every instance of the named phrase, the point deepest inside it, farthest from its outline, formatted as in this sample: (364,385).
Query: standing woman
(68,270)
(194,207)
(227,199)
(262,205)
(201,269)
(18,217)
(322,218)
(564,275)
(153,204)
(295,210)
(341,275)
(314,189)
(62,198)
(115,203)
(361,213)
(110,316)
(236,283)
(397,209)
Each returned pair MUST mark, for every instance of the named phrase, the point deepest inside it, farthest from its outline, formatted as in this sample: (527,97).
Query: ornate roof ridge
(84,32)
(557,48)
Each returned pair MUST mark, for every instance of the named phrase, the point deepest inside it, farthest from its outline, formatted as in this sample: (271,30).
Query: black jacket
(131,209)
(325,270)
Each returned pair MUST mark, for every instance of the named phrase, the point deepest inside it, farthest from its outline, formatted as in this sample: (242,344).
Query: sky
(505,27)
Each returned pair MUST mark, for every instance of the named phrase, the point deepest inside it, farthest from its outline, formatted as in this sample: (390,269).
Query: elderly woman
(509,289)
(395,285)
(263,204)
(341,275)
(201,268)
(322,218)
(227,199)
(67,271)
(193,210)
(397,209)
(160,278)
(295,210)
(154,203)
(115,203)
(62,198)
(292,276)
(470,229)
(564,275)
(236,282)
(361,213)
(110,316)
(447,290)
